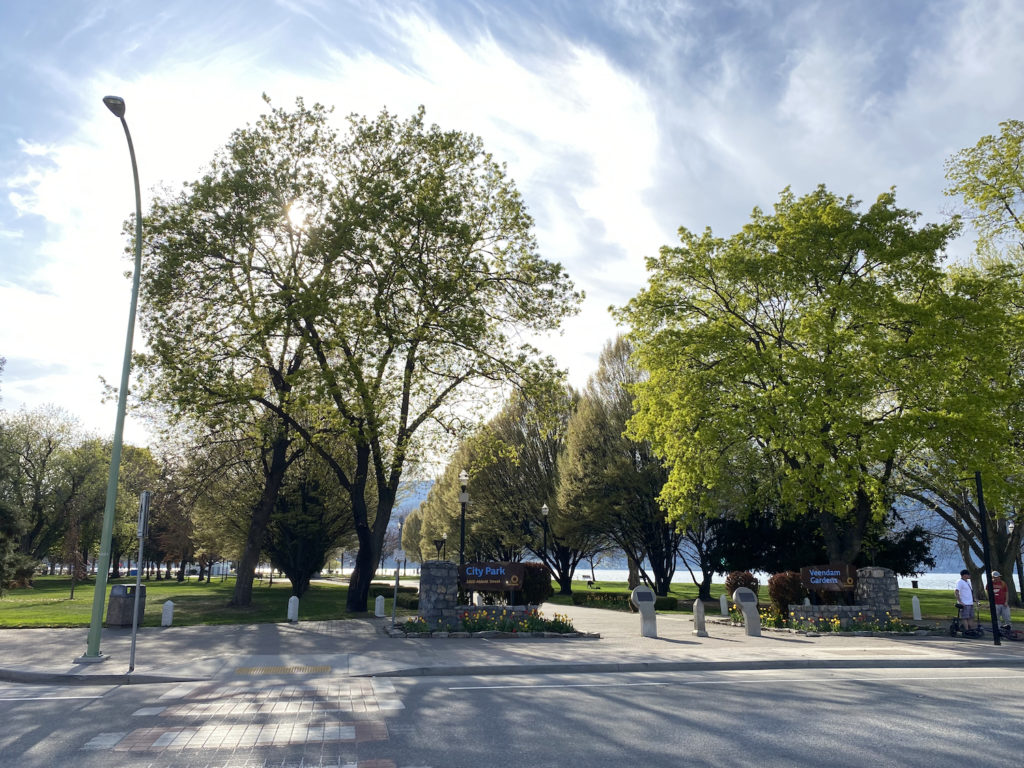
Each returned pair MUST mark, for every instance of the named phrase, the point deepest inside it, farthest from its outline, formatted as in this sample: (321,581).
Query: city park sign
(491,577)
(828,578)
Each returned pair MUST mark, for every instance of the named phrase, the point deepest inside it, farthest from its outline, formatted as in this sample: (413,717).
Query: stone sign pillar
(878,590)
(439,591)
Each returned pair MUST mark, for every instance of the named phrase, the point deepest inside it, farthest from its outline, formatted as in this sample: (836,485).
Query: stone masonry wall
(877,589)
(439,591)
(877,596)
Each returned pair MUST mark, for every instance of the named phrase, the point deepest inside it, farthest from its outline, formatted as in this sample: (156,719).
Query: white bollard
(916,605)
(378,606)
(699,628)
(293,609)
(723,603)
(167,614)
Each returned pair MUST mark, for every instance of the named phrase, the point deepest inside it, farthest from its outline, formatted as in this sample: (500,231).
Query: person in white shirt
(965,596)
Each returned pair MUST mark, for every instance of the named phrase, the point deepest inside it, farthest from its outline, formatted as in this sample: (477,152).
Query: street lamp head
(463,477)
(445,535)
(544,510)
(115,104)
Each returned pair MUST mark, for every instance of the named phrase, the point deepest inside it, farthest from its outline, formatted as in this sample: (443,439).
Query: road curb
(73,678)
(690,666)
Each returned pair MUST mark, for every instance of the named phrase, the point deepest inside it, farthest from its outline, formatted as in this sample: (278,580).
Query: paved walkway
(360,648)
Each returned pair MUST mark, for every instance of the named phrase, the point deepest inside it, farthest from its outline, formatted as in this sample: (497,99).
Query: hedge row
(621,602)
(388,590)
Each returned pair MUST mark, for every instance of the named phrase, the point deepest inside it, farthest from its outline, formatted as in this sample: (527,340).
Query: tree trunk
(370,539)
(844,537)
(362,572)
(633,580)
(242,596)
(115,559)
(704,588)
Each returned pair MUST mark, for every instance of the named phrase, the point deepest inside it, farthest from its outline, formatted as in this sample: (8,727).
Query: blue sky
(619,121)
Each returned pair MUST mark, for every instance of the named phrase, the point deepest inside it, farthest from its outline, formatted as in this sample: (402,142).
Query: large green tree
(12,563)
(514,476)
(941,476)
(989,178)
(823,336)
(311,520)
(39,453)
(355,288)
(611,482)
(222,270)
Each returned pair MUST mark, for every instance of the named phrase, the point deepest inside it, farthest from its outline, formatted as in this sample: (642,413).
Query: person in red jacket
(1001,595)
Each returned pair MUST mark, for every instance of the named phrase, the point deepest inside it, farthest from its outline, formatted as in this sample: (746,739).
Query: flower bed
(491,622)
(819,622)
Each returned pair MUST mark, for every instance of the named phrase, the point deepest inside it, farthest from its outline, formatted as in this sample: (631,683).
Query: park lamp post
(401,522)
(544,511)
(116,105)
(463,500)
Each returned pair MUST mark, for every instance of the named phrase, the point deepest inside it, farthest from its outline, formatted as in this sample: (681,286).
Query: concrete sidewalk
(361,647)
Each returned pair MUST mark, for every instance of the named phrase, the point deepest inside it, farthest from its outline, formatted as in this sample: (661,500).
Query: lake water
(924,581)
(682,576)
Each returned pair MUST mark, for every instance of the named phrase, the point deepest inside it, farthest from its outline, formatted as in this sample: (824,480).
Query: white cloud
(720,119)
(576,110)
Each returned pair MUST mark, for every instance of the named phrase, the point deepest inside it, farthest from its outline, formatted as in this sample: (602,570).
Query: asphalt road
(856,718)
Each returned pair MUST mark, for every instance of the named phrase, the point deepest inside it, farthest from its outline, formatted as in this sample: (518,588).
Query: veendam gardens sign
(828,578)
(491,577)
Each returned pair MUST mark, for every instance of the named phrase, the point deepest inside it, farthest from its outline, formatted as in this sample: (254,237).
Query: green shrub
(612,600)
(738,579)
(411,602)
(667,603)
(388,590)
(785,589)
(536,583)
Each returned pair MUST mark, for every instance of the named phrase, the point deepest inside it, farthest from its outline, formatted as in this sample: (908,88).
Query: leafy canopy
(819,334)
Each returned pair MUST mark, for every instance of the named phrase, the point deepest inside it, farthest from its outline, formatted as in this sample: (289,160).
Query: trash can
(120,604)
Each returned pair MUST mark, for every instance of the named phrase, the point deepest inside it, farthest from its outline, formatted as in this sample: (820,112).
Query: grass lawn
(936,604)
(47,603)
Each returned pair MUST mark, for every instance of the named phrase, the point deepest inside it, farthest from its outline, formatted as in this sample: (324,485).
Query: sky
(619,121)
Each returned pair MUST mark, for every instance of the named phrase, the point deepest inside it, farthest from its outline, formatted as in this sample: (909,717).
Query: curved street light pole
(116,105)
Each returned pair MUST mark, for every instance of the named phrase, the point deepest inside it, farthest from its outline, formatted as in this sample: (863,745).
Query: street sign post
(143,530)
